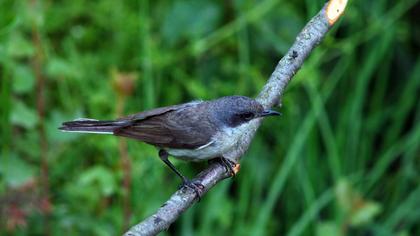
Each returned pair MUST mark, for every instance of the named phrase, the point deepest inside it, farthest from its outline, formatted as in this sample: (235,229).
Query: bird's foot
(231,167)
(195,186)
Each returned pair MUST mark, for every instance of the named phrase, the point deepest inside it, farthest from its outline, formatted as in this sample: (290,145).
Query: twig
(124,84)
(37,64)
(126,169)
(305,42)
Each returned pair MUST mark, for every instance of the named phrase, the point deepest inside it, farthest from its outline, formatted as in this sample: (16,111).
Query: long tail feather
(93,126)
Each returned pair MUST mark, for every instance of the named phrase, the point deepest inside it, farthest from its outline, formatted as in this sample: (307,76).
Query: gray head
(236,110)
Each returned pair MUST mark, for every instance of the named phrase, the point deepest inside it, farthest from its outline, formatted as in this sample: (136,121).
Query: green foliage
(14,171)
(342,160)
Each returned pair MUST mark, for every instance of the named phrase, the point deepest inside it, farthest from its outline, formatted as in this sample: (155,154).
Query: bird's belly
(220,144)
(206,153)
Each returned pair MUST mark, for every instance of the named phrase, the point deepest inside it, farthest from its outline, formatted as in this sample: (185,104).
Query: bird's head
(233,111)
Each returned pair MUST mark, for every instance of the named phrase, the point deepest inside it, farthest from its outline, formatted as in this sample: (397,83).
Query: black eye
(247,116)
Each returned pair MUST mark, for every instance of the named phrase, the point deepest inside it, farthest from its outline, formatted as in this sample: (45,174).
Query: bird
(193,131)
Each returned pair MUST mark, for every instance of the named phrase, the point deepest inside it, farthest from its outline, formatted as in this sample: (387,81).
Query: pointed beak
(270,113)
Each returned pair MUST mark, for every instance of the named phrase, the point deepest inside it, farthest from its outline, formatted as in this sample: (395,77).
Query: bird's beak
(270,113)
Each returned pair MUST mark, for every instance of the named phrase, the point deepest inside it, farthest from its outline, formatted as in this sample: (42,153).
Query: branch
(305,42)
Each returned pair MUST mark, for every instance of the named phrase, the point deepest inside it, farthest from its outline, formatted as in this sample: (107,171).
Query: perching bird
(194,131)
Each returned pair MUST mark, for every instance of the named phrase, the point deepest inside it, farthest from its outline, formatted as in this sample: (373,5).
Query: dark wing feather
(181,126)
(158,111)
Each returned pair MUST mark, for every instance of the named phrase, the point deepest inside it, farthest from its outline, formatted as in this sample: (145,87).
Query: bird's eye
(247,116)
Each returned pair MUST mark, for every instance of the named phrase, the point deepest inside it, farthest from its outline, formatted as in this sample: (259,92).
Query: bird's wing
(178,127)
(159,111)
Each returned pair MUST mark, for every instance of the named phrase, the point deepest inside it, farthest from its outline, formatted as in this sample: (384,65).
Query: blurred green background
(344,158)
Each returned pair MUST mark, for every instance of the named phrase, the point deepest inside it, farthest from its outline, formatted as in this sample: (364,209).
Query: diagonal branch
(306,41)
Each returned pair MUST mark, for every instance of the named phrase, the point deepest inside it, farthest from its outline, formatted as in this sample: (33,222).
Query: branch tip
(335,9)
(236,168)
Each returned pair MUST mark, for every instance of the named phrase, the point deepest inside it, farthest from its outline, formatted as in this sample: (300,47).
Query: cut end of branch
(335,9)
(236,168)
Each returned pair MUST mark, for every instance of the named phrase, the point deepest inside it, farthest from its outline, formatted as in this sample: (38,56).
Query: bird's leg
(197,187)
(164,157)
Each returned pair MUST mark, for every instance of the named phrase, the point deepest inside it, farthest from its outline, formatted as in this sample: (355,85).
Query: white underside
(221,143)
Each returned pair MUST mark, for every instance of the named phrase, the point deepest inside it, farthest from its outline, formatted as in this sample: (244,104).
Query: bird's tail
(84,125)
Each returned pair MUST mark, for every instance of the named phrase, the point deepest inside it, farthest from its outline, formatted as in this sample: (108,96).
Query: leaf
(58,67)
(359,210)
(19,47)
(23,115)
(23,80)
(14,171)
(344,194)
(365,214)
(100,177)
(328,229)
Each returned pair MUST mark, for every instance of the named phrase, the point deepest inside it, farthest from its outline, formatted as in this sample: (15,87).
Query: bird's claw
(195,186)
(231,167)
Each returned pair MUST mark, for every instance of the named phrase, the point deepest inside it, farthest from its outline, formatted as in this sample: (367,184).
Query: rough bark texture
(287,67)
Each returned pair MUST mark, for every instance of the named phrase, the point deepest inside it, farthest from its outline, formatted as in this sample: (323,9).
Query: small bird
(193,131)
